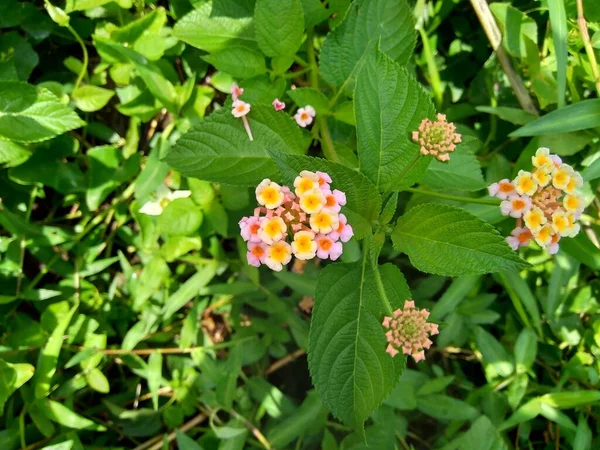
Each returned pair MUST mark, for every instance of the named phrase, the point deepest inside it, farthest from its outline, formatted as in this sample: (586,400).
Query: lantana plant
(365,321)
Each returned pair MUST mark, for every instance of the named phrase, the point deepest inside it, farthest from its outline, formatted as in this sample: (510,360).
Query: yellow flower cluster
(545,202)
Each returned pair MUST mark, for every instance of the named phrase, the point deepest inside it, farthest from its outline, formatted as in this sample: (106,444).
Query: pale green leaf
(279,25)
(363,200)
(218,149)
(515,26)
(13,154)
(48,357)
(558,22)
(155,376)
(578,116)
(446,240)
(181,217)
(90,98)
(389,105)
(12,377)
(97,381)
(33,114)
(367,23)
(59,413)
(347,358)
(443,407)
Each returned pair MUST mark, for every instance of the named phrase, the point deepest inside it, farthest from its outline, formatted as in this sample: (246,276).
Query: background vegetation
(120,330)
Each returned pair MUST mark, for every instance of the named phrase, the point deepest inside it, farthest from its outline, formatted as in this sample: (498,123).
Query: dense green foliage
(123,329)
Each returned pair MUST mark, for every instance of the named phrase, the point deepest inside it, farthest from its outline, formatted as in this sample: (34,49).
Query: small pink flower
(310,110)
(324,180)
(327,247)
(344,231)
(409,331)
(303,117)
(502,189)
(437,138)
(519,237)
(249,227)
(278,105)
(257,252)
(515,206)
(240,108)
(236,91)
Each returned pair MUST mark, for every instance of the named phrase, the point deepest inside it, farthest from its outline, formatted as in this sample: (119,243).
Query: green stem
(326,141)
(434,74)
(83,71)
(456,198)
(297,73)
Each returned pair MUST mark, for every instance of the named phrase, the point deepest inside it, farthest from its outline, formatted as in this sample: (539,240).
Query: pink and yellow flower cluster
(309,218)
(545,202)
(409,331)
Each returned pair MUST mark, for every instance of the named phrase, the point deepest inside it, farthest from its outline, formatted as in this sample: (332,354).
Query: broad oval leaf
(218,149)
(389,105)
(367,23)
(363,200)
(33,114)
(579,116)
(279,25)
(346,349)
(450,241)
(91,98)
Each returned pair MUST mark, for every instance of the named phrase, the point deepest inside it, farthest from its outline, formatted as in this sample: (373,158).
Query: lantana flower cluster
(437,138)
(545,202)
(305,223)
(409,331)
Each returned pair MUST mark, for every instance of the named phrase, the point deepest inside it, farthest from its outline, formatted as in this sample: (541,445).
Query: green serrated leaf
(33,114)
(462,172)
(389,104)
(367,22)
(279,25)
(446,240)
(218,149)
(346,354)
(203,30)
(239,62)
(364,202)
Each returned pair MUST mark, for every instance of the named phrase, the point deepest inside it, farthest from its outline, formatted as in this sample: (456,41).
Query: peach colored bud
(409,331)
(436,138)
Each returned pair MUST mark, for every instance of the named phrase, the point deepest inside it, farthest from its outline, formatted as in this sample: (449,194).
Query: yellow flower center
(240,108)
(526,184)
(571,202)
(323,220)
(303,243)
(270,194)
(278,252)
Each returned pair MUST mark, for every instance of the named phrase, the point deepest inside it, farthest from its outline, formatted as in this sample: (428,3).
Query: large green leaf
(462,172)
(218,149)
(579,116)
(32,114)
(515,27)
(239,62)
(446,240)
(203,30)
(346,350)
(368,22)
(279,26)
(363,200)
(389,105)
